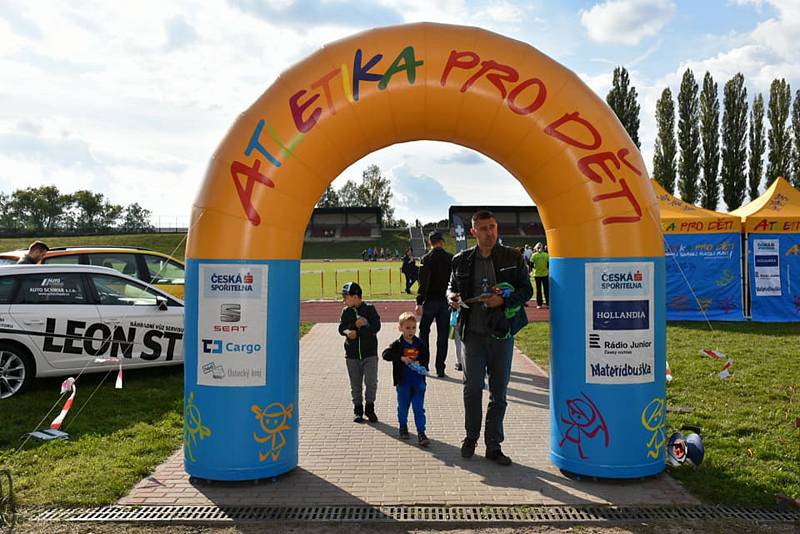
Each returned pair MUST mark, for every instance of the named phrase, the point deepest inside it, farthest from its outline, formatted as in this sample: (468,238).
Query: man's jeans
(437,310)
(363,372)
(482,355)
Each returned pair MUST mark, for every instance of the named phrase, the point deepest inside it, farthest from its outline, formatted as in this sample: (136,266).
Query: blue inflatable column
(241,368)
(607,366)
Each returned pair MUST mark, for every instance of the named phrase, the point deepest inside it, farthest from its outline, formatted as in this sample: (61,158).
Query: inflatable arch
(463,85)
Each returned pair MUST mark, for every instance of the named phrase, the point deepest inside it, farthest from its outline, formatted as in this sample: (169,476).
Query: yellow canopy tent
(772,225)
(679,217)
(703,261)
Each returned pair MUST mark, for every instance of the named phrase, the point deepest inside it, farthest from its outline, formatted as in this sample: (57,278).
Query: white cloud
(419,196)
(626,21)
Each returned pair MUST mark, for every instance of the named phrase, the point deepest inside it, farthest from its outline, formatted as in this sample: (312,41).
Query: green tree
(349,195)
(40,208)
(709,134)
(734,135)
(757,146)
(8,218)
(622,100)
(688,138)
(664,169)
(796,130)
(376,190)
(329,199)
(778,138)
(136,219)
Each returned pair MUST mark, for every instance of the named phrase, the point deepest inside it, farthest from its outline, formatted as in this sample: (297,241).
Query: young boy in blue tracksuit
(409,383)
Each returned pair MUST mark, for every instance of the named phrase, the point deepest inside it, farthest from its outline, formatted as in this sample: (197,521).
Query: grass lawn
(314,273)
(118,438)
(748,421)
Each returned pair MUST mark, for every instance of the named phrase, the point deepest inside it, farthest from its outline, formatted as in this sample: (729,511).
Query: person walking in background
(410,384)
(434,275)
(527,254)
(409,270)
(541,275)
(36,253)
(359,324)
(493,281)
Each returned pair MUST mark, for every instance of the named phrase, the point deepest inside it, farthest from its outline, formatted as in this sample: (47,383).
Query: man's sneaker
(459,367)
(404,432)
(468,447)
(358,412)
(440,374)
(498,457)
(369,410)
(423,440)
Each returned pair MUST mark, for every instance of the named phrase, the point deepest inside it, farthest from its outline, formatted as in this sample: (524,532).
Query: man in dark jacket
(360,324)
(434,275)
(36,253)
(493,281)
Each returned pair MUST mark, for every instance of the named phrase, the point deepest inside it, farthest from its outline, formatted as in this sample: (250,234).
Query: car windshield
(163,270)
(120,292)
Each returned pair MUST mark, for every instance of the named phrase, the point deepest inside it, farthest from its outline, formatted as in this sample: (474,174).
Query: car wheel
(16,370)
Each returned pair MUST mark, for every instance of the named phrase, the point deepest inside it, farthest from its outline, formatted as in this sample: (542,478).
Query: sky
(130,99)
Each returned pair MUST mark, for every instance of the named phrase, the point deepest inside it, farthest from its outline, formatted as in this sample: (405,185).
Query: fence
(374,281)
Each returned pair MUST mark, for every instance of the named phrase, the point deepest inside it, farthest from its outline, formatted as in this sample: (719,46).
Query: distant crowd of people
(379,253)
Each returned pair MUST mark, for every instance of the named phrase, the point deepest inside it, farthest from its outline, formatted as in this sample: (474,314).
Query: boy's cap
(435,236)
(351,288)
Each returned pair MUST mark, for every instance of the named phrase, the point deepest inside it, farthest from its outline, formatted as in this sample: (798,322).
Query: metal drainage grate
(423,514)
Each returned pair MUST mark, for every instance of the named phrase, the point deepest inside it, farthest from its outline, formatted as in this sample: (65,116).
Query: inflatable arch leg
(463,85)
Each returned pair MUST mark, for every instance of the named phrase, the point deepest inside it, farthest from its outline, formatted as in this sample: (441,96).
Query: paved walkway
(344,463)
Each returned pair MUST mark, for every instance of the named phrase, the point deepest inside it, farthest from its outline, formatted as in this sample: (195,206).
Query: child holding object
(360,324)
(407,353)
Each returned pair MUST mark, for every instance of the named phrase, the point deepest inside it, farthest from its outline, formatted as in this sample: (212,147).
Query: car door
(142,331)
(55,311)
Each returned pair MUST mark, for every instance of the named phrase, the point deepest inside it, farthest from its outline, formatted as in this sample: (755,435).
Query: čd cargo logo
(237,282)
(622,280)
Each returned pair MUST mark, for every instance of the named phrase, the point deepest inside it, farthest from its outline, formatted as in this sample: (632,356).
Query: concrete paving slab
(343,463)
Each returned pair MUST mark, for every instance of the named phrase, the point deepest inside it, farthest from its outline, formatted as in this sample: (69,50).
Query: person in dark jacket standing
(360,324)
(493,281)
(36,253)
(434,275)
(409,270)
(410,384)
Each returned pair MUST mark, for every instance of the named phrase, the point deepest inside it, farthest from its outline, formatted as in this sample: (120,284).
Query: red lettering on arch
(246,192)
(455,60)
(553,130)
(503,73)
(598,159)
(626,193)
(622,154)
(533,106)
(303,126)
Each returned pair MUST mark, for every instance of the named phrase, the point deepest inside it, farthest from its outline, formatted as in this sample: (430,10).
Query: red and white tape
(66,385)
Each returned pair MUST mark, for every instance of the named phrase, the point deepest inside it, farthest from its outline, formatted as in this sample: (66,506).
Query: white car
(58,320)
